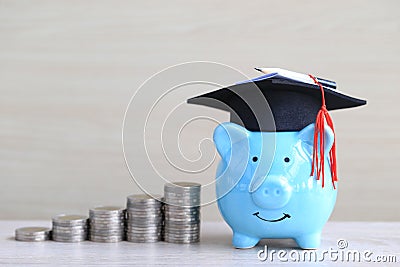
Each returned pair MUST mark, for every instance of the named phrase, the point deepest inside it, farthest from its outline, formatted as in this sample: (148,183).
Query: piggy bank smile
(285,215)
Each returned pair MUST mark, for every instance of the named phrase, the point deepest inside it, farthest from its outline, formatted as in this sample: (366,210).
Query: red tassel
(318,162)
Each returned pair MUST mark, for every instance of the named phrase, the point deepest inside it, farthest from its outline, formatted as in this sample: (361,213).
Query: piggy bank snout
(274,193)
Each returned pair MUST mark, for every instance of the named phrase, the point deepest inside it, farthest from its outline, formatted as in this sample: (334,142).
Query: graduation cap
(282,100)
(293,98)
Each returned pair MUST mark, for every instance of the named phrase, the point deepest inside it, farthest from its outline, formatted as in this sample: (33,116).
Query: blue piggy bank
(264,187)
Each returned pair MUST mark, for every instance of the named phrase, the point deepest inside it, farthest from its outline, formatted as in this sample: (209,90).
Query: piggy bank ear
(307,136)
(226,135)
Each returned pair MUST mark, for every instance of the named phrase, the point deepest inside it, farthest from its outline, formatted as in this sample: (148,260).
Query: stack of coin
(144,219)
(182,212)
(69,228)
(107,224)
(32,234)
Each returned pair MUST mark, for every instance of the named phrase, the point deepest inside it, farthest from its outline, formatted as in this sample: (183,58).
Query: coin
(144,218)
(107,224)
(32,234)
(69,228)
(69,220)
(182,212)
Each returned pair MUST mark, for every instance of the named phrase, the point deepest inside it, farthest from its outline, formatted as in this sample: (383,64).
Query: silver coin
(181,227)
(181,233)
(174,195)
(32,230)
(107,216)
(69,220)
(113,235)
(138,231)
(184,221)
(143,240)
(69,239)
(32,238)
(112,239)
(142,224)
(75,227)
(178,208)
(147,227)
(181,241)
(174,200)
(106,227)
(182,186)
(178,224)
(144,210)
(106,211)
(149,236)
(183,203)
(144,220)
(32,234)
(110,231)
(153,229)
(143,199)
(144,234)
(106,233)
(107,223)
(167,217)
(181,217)
(143,206)
(182,212)
(174,236)
(106,219)
(141,227)
(169,196)
(65,232)
(183,237)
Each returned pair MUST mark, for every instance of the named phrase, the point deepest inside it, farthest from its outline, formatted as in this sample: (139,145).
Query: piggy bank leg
(244,241)
(309,241)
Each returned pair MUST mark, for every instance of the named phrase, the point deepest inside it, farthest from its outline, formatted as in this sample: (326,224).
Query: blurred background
(69,68)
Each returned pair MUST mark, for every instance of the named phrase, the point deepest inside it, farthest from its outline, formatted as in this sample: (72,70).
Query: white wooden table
(382,239)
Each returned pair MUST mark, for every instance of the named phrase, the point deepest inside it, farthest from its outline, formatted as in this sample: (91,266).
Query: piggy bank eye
(286,159)
(255,159)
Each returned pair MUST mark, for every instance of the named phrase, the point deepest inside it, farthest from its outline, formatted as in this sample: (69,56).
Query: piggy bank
(264,187)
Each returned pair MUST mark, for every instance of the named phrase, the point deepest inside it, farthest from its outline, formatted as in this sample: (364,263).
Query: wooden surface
(214,249)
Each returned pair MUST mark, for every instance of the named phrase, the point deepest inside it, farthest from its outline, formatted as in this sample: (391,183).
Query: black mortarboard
(293,98)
